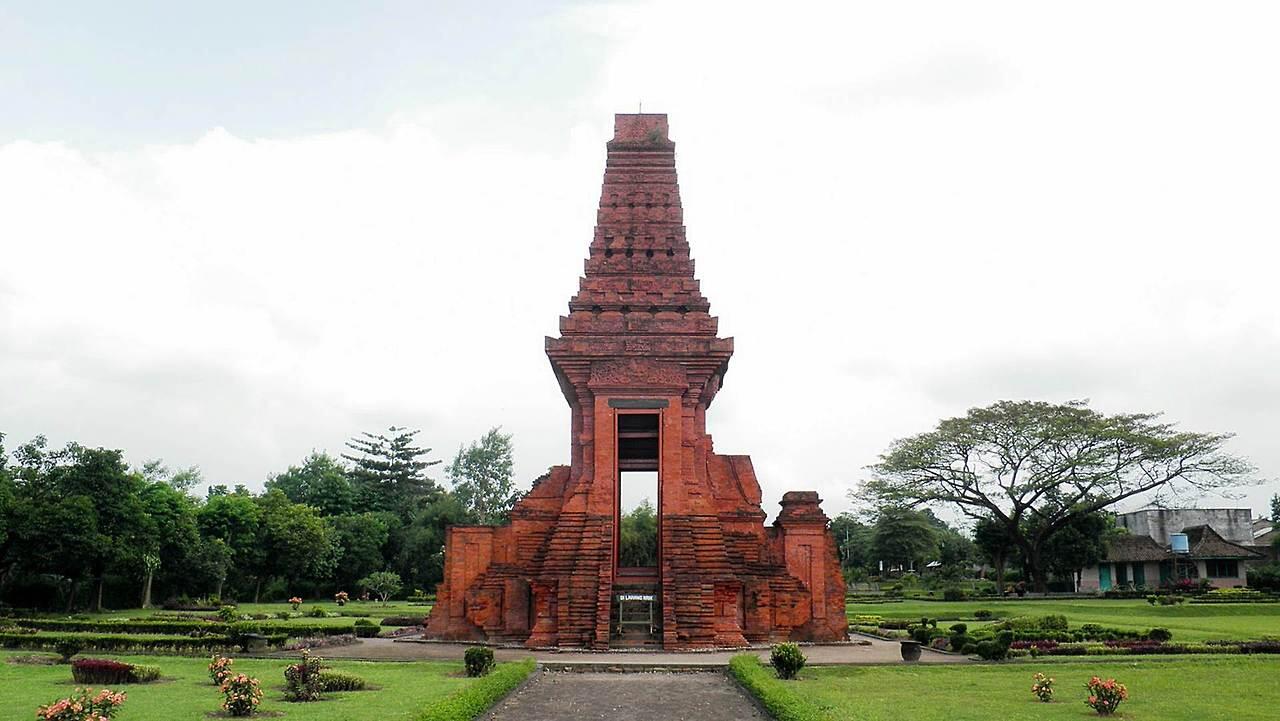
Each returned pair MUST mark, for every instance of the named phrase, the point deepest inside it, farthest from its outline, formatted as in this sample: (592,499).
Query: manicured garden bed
(184,692)
(1241,621)
(1182,689)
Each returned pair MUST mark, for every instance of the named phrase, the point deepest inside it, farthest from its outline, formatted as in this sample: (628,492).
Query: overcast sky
(231,233)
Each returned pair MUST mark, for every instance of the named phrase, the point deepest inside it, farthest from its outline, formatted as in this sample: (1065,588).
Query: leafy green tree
(234,519)
(481,477)
(387,471)
(853,542)
(101,477)
(1018,461)
(320,482)
(300,545)
(383,584)
(1275,516)
(171,539)
(360,538)
(993,542)
(9,523)
(638,546)
(902,536)
(419,555)
(183,479)
(1081,542)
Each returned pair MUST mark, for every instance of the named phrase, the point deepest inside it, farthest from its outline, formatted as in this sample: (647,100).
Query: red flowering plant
(219,669)
(1105,696)
(85,705)
(241,695)
(295,602)
(1042,687)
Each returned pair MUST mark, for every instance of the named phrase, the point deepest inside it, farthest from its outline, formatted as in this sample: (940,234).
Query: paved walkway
(552,696)
(862,651)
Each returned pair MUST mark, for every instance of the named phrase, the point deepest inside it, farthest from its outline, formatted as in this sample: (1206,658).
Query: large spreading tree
(1034,467)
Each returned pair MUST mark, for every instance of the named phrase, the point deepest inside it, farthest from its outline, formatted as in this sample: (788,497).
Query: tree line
(80,528)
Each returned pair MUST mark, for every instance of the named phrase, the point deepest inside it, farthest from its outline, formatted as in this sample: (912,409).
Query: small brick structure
(639,362)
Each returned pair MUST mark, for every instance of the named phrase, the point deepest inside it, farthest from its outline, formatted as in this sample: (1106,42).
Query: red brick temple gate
(639,363)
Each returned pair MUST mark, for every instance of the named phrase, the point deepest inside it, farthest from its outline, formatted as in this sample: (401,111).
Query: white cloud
(899,212)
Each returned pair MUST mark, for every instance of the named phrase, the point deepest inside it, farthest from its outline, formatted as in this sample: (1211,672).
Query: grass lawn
(1188,622)
(1200,689)
(185,692)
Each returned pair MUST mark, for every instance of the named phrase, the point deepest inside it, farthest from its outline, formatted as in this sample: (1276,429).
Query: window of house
(1215,568)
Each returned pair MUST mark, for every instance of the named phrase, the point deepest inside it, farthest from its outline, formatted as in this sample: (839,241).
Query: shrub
(85,705)
(787,659)
(144,674)
(1265,578)
(1160,635)
(1105,696)
(295,602)
(1042,687)
(921,634)
(334,681)
(317,612)
(302,679)
(403,621)
(220,669)
(284,615)
(341,598)
(365,628)
(1052,622)
(989,650)
(227,614)
(478,660)
(958,628)
(982,614)
(241,695)
(954,594)
(959,641)
(68,647)
(100,671)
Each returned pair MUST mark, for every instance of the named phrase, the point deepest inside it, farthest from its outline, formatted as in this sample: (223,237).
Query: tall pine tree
(387,473)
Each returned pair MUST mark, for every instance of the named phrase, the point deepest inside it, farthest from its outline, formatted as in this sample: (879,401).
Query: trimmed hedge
(475,698)
(333,681)
(404,621)
(98,671)
(776,696)
(1151,648)
(116,642)
(172,627)
(176,627)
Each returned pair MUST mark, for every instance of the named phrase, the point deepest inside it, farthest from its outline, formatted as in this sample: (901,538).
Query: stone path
(877,652)
(555,695)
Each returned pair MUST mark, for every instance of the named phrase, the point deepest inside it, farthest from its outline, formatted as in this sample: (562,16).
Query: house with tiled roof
(1220,544)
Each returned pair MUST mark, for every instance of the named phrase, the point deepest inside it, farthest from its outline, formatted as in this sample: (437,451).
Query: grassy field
(1203,689)
(185,692)
(1188,622)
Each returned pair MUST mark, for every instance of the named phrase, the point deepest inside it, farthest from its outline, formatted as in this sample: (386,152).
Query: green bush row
(116,642)
(475,698)
(776,696)
(160,626)
(176,626)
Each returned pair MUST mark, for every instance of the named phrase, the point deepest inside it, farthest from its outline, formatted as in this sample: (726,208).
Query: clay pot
(910,650)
